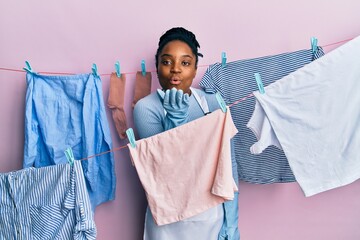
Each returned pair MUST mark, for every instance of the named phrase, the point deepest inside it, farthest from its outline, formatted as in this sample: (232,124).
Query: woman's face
(176,66)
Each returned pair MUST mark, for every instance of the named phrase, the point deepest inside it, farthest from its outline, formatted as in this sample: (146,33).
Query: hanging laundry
(116,103)
(225,217)
(155,158)
(314,114)
(235,81)
(142,86)
(68,111)
(46,203)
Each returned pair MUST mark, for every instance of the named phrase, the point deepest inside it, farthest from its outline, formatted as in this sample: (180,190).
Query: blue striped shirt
(46,203)
(235,81)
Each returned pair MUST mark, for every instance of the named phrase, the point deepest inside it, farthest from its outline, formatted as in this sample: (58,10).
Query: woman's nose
(176,67)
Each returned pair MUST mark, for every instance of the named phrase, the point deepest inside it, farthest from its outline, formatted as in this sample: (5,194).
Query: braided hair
(179,33)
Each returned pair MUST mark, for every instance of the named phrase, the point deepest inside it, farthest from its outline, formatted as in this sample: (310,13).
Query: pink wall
(68,36)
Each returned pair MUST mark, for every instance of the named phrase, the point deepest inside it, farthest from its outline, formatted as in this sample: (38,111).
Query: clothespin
(259,83)
(220,101)
(130,135)
(223,59)
(117,69)
(314,43)
(143,67)
(95,70)
(69,156)
(28,67)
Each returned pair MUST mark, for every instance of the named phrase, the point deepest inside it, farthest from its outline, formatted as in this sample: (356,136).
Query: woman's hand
(176,105)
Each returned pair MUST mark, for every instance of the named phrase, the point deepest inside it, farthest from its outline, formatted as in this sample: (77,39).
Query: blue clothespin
(223,59)
(95,70)
(221,101)
(259,83)
(28,67)
(314,43)
(130,135)
(69,156)
(117,69)
(143,67)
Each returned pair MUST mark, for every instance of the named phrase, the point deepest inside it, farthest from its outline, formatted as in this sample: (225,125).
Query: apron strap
(201,101)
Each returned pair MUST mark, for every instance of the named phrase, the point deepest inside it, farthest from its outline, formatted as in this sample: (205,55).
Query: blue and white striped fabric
(69,111)
(235,81)
(46,203)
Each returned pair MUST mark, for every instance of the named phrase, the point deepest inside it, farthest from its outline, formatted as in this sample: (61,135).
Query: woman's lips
(175,81)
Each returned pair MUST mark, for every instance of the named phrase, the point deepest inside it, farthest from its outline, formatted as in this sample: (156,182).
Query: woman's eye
(166,62)
(186,63)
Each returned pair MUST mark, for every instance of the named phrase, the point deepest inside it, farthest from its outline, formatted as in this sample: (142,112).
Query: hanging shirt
(46,203)
(314,115)
(208,172)
(235,81)
(202,226)
(68,111)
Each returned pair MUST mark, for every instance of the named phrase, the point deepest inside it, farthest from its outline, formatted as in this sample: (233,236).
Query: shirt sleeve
(148,116)
(211,78)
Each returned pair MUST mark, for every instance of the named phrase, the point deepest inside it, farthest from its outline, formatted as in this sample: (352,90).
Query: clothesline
(124,146)
(152,71)
(106,152)
(230,105)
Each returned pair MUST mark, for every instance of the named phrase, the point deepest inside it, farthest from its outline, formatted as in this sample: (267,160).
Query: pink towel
(187,170)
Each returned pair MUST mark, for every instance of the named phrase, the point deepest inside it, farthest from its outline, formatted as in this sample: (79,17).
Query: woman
(176,104)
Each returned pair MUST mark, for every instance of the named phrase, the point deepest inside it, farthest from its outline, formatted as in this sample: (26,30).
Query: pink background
(68,36)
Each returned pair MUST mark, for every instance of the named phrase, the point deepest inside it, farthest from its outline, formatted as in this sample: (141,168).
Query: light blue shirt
(68,111)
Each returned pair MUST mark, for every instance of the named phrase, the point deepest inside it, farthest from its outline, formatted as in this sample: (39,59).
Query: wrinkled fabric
(68,111)
(142,86)
(314,114)
(236,81)
(204,225)
(116,103)
(200,104)
(46,203)
(208,173)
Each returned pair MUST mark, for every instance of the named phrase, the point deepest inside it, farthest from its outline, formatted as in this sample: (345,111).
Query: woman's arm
(148,115)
